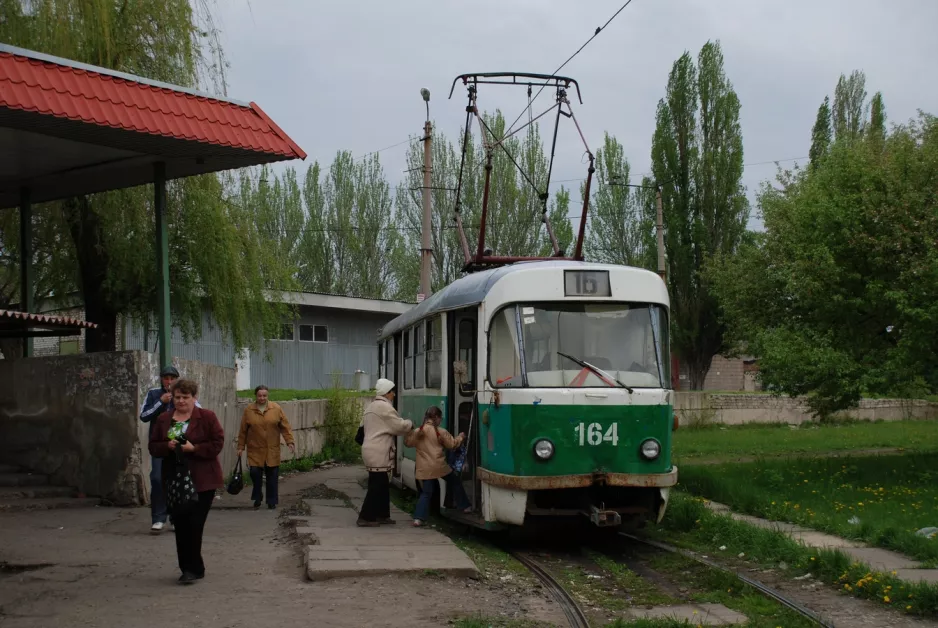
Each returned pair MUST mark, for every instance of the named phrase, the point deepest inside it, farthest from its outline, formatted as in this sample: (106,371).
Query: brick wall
(729,374)
(61,345)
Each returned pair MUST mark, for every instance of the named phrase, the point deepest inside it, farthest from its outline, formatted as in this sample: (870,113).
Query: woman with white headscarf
(382,425)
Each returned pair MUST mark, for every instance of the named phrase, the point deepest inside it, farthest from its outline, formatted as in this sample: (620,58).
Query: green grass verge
(689,523)
(761,439)
(881,500)
(290,394)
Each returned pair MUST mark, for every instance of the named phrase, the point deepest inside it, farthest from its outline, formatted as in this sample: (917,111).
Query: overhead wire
(564,64)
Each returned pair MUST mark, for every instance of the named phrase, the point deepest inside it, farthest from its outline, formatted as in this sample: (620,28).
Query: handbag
(237,479)
(456,458)
(360,435)
(180,489)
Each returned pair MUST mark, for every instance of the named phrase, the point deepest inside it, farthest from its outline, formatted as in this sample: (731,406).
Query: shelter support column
(164,321)
(26,262)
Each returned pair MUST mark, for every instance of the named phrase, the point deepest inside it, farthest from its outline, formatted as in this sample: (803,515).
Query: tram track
(577,618)
(575,615)
(755,584)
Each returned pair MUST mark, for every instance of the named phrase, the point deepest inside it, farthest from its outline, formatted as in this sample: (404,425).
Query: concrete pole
(660,232)
(26,262)
(426,251)
(164,321)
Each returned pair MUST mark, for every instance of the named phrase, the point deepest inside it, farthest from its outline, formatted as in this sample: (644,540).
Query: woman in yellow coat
(262,425)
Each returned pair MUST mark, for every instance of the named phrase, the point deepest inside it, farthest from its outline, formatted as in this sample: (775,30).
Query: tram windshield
(544,345)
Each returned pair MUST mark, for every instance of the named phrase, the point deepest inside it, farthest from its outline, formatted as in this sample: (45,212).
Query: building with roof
(332,335)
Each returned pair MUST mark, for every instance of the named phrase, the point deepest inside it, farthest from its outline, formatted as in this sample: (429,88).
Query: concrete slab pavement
(877,558)
(344,550)
(693,614)
(101,568)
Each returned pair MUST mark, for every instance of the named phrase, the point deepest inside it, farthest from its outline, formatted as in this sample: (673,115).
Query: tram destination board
(586,283)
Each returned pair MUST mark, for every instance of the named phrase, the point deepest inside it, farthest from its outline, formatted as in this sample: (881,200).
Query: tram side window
(504,361)
(408,361)
(381,346)
(435,352)
(420,353)
(389,359)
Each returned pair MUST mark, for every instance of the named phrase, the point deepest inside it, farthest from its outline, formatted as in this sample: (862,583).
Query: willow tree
(216,251)
(697,158)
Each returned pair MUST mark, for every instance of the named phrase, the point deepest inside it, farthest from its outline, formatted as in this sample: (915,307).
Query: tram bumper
(606,499)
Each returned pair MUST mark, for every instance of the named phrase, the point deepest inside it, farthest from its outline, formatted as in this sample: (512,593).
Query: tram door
(464,418)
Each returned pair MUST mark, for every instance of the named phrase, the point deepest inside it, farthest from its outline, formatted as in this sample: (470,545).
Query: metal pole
(164,322)
(660,233)
(426,252)
(26,262)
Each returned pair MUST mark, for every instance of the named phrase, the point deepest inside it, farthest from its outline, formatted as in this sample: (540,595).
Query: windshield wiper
(595,369)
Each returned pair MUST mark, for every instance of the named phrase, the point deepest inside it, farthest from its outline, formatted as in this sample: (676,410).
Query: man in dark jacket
(158,401)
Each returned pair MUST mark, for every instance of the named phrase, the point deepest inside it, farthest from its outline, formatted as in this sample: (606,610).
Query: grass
(612,587)
(881,500)
(716,587)
(291,394)
(772,439)
(691,524)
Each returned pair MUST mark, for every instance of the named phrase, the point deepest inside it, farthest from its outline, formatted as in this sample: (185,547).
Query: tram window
(435,352)
(420,356)
(467,352)
(389,359)
(408,361)
(381,346)
(628,341)
(504,358)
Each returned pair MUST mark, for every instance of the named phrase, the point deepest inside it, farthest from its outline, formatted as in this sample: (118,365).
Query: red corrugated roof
(44,319)
(61,90)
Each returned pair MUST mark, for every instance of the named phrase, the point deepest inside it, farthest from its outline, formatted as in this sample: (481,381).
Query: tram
(558,371)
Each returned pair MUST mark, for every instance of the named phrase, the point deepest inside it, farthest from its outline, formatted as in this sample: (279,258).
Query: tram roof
(472,290)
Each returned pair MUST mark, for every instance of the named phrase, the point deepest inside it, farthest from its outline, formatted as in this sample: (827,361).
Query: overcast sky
(347,75)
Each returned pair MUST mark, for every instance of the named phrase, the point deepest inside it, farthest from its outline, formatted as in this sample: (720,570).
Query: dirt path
(100,567)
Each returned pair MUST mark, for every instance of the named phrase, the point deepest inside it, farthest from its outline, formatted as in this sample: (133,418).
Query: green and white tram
(559,373)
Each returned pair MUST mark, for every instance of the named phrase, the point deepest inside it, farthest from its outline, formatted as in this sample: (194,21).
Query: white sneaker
(157,527)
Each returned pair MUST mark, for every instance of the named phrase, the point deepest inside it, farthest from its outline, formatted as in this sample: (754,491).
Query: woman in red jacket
(192,438)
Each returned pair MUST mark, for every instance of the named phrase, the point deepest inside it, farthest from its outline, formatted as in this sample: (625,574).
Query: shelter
(69,129)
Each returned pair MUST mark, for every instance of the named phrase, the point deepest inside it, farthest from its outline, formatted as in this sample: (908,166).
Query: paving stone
(345,550)
(918,575)
(880,559)
(694,614)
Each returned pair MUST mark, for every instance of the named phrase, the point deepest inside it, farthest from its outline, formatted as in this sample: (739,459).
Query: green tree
(315,266)
(216,254)
(821,133)
(849,105)
(621,227)
(837,295)
(876,128)
(697,157)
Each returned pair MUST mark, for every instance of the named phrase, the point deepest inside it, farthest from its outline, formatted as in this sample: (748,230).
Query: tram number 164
(593,434)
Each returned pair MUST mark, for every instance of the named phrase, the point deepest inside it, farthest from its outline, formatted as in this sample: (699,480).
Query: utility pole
(426,251)
(660,233)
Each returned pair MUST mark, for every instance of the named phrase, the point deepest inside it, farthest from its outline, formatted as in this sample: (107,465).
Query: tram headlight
(650,449)
(543,449)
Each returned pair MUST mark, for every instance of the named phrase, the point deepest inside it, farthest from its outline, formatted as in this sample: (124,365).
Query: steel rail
(575,615)
(755,584)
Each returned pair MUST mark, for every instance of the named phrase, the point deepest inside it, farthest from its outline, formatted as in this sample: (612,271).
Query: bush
(343,416)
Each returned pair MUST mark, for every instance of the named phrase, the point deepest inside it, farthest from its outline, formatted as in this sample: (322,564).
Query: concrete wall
(76,418)
(736,409)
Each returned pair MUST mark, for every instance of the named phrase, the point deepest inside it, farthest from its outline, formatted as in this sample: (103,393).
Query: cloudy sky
(347,75)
